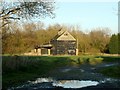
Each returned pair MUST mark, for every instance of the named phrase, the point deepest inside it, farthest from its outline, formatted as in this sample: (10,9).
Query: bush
(95,60)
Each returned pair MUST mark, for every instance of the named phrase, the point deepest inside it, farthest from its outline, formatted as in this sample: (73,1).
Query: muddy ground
(80,72)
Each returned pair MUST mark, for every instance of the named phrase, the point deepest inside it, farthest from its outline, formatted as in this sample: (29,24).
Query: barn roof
(66,36)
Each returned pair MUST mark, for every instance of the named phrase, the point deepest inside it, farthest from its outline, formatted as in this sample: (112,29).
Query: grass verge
(112,71)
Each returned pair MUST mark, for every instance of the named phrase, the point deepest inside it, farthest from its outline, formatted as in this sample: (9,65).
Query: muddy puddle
(51,83)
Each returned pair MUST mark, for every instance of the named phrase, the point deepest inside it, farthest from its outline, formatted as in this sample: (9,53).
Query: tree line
(18,39)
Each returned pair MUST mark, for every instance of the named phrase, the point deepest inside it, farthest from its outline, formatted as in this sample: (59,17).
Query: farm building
(62,44)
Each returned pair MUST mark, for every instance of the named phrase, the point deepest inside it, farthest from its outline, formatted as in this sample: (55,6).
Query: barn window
(66,34)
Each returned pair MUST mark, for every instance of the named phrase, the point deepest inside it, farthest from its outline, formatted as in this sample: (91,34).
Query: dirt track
(81,72)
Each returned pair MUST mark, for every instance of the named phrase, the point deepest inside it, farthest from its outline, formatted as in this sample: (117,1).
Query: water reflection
(74,83)
(66,83)
(52,83)
(107,65)
(41,80)
(66,70)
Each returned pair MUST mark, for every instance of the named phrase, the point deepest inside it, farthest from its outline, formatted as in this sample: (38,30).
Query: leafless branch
(11,18)
(4,24)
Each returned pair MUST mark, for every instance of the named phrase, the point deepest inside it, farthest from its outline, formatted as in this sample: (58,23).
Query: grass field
(19,69)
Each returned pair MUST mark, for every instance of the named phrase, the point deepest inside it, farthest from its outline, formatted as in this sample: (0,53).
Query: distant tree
(53,30)
(12,40)
(114,45)
(100,38)
(29,35)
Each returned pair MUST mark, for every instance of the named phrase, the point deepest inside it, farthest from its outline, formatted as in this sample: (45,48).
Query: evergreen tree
(114,47)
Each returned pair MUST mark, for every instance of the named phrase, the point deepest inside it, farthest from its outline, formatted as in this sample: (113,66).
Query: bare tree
(25,9)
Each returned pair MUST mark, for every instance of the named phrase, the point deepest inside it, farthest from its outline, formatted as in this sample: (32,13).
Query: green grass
(110,58)
(19,69)
(112,71)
